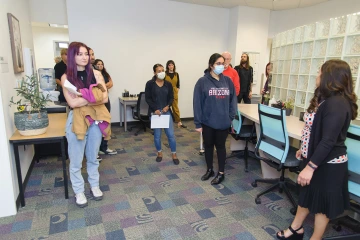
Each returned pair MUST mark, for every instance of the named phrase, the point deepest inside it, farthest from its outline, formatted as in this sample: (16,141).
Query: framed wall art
(16,46)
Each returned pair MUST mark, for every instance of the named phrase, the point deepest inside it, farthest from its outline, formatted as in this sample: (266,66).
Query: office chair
(141,113)
(274,142)
(245,133)
(352,142)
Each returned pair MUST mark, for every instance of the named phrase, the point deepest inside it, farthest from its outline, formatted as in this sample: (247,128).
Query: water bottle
(47,79)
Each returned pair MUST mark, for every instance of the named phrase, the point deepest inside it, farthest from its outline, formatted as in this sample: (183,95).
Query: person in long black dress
(324,179)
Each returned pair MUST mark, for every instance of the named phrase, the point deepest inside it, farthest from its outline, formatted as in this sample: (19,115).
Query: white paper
(160,122)
(71,88)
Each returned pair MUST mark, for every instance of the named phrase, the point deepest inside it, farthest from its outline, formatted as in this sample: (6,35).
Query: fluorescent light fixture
(63,45)
(58,25)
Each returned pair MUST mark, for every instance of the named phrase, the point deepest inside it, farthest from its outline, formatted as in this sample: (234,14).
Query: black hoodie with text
(215,102)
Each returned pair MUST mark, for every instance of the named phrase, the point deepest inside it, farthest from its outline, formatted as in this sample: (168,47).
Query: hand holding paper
(71,88)
(161,121)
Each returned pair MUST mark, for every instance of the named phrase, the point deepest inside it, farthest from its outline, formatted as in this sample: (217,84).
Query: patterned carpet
(149,200)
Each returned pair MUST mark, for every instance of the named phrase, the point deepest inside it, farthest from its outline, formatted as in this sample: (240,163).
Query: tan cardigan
(96,112)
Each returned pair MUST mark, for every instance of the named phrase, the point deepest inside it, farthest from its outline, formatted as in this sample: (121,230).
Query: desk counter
(54,134)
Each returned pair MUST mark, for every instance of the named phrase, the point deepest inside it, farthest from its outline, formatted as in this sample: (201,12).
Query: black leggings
(218,138)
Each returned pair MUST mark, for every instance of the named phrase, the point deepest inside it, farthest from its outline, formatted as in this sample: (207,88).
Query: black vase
(288,111)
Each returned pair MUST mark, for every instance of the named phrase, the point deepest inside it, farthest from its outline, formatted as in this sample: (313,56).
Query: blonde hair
(63,51)
(57,59)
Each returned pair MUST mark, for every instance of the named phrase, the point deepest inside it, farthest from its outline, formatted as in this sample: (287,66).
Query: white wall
(252,36)
(284,20)
(49,11)
(44,38)
(8,180)
(131,36)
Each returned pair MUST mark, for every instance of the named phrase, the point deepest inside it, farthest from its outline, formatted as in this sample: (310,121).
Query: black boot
(209,173)
(218,179)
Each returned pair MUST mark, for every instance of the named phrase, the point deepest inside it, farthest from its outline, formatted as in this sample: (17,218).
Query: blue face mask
(218,69)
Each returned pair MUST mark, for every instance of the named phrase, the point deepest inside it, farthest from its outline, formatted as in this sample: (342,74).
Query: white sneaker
(108,151)
(81,200)
(97,193)
(99,158)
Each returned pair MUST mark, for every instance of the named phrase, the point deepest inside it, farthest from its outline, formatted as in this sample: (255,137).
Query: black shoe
(158,159)
(295,235)
(176,161)
(183,126)
(209,173)
(218,179)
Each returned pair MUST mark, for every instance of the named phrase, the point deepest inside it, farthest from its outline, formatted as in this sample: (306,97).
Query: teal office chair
(274,142)
(245,133)
(352,142)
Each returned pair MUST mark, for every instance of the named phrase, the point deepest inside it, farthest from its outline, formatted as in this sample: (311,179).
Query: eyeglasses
(219,63)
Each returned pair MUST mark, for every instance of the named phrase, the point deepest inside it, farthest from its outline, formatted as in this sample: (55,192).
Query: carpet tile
(144,199)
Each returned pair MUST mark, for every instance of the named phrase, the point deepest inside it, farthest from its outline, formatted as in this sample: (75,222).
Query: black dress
(327,192)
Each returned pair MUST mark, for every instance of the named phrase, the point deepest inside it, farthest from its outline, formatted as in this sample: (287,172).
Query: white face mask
(160,75)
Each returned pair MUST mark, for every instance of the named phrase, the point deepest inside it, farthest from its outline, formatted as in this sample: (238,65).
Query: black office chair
(245,133)
(352,143)
(141,113)
(274,143)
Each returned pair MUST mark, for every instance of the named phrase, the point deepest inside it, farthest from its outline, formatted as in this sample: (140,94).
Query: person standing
(60,69)
(246,74)
(92,57)
(173,77)
(324,177)
(215,107)
(80,73)
(92,61)
(268,80)
(99,65)
(159,95)
(230,72)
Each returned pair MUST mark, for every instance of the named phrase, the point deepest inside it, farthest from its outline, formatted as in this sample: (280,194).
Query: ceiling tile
(185,1)
(213,3)
(285,4)
(231,3)
(268,4)
(307,3)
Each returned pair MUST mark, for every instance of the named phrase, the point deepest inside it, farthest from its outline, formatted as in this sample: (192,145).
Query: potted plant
(288,106)
(31,118)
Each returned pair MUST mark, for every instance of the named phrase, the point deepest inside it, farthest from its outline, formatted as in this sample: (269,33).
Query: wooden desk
(54,133)
(293,124)
(123,102)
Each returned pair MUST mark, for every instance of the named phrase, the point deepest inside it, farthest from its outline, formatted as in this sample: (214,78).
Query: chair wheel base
(254,184)
(337,227)
(257,200)
(293,211)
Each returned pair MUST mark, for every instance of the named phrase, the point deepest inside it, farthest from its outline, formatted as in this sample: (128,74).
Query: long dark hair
(336,79)
(212,60)
(266,73)
(247,63)
(71,70)
(167,66)
(103,71)
(314,102)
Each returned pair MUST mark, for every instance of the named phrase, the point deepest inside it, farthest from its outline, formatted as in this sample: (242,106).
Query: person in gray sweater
(215,107)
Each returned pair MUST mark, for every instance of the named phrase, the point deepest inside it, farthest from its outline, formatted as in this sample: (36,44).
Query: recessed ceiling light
(58,25)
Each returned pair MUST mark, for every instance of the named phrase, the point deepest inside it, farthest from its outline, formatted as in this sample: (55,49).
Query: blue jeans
(76,148)
(169,133)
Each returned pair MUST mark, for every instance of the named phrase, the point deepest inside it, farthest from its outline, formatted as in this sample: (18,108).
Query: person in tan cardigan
(80,73)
